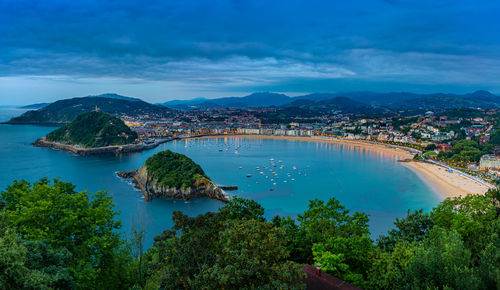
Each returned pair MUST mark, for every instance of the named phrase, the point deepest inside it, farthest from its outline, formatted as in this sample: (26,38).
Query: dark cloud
(252,42)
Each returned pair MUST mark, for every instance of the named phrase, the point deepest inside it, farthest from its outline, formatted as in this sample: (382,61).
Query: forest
(94,129)
(174,170)
(54,237)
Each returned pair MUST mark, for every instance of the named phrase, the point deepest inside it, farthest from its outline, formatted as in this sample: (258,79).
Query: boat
(293,179)
(249,175)
(271,189)
(294,168)
(274,183)
(271,159)
(241,167)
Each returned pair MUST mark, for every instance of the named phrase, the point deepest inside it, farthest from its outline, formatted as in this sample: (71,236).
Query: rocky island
(92,133)
(171,174)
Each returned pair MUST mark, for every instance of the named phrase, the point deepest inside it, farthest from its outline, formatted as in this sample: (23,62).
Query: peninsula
(171,174)
(91,133)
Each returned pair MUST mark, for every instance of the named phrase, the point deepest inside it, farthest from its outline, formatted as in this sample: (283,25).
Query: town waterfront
(372,182)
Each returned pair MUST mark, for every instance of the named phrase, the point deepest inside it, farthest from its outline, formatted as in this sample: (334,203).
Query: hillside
(65,111)
(174,170)
(173,175)
(94,129)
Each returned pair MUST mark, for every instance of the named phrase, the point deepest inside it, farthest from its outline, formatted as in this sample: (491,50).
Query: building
(489,161)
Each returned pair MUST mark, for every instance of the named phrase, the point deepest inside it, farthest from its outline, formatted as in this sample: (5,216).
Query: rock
(151,188)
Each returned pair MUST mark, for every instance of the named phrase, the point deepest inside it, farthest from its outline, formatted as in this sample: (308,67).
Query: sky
(164,50)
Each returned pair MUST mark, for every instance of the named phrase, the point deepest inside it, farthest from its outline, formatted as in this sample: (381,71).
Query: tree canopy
(94,129)
(174,170)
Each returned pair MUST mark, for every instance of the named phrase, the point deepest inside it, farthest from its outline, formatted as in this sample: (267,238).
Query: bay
(371,182)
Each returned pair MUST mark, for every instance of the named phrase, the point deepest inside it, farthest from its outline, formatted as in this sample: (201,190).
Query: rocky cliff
(150,187)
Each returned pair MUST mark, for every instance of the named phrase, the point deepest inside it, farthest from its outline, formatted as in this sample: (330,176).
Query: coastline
(444,184)
(448,184)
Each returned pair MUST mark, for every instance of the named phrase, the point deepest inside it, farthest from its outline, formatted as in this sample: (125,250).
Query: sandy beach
(446,184)
(450,184)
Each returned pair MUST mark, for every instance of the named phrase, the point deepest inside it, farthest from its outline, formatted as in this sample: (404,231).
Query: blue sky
(163,50)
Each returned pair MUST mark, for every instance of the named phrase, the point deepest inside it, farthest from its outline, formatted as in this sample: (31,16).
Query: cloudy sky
(163,50)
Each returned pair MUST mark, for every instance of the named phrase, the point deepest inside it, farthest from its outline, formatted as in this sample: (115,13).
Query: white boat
(274,183)
(294,168)
(241,167)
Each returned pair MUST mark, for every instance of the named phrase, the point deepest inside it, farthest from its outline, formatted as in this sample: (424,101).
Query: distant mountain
(35,106)
(116,96)
(252,101)
(341,104)
(478,99)
(65,111)
(392,100)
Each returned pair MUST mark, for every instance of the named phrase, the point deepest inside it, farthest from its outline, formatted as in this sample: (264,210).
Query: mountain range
(380,101)
(311,105)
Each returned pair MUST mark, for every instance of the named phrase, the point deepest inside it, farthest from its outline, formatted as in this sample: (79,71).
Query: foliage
(232,248)
(413,228)
(174,170)
(94,129)
(430,147)
(456,246)
(463,151)
(335,236)
(83,224)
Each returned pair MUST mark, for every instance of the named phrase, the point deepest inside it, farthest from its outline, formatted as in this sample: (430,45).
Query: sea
(281,175)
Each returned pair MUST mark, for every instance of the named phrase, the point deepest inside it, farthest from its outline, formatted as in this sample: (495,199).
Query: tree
(136,242)
(470,216)
(413,228)
(430,147)
(253,255)
(443,262)
(83,224)
(334,235)
(234,247)
(30,265)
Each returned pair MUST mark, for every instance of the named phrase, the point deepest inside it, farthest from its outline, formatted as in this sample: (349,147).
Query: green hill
(94,129)
(175,170)
(65,111)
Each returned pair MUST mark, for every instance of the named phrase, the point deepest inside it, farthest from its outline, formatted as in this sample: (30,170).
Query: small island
(174,175)
(92,133)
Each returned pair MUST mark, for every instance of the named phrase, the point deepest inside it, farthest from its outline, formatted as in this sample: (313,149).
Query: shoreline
(442,182)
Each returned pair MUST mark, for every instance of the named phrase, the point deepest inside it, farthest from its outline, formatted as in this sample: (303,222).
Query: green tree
(30,264)
(443,262)
(413,228)
(470,216)
(342,237)
(253,255)
(83,224)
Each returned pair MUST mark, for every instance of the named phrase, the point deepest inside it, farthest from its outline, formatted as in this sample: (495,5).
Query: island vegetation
(52,236)
(174,170)
(94,129)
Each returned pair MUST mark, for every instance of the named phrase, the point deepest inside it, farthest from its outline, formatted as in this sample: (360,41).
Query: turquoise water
(371,182)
